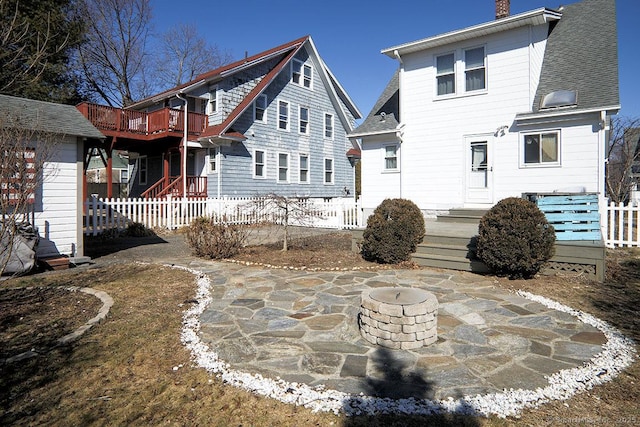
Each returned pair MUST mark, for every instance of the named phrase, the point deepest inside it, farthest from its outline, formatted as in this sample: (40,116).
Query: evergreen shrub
(393,232)
(515,239)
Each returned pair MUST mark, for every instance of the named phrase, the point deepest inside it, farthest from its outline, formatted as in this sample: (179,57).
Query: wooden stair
(450,242)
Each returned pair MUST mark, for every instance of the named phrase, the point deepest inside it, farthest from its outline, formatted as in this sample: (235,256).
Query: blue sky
(349,34)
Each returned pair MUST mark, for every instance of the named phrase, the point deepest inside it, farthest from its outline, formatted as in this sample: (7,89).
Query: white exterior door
(479,170)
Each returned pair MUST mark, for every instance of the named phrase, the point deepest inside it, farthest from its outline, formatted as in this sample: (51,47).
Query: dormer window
(301,73)
(559,98)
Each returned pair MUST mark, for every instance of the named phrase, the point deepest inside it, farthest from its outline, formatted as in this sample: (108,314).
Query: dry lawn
(131,369)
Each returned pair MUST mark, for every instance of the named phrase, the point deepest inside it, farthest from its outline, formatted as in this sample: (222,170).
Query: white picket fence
(173,213)
(622,228)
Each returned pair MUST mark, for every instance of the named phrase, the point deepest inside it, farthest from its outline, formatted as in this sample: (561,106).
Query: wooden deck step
(449,262)
(465,216)
(55,263)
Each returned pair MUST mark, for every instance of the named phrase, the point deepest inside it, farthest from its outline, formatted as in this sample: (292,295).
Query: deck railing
(113,119)
(196,187)
(173,212)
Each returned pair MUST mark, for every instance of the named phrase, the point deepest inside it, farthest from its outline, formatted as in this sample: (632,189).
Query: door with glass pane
(478,170)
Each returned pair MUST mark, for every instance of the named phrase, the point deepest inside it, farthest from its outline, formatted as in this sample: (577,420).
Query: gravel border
(618,353)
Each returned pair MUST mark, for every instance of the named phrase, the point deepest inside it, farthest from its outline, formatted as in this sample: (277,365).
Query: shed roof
(45,116)
(582,55)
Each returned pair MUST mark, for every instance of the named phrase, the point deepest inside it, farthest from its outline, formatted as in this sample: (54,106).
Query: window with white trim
(142,170)
(260,109)
(301,73)
(259,164)
(303,120)
(391,157)
(541,149)
(124,176)
(213,159)
(474,69)
(303,166)
(445,74)
(283,167)
(328,171)
(212,104)
(283,115)
(328,125)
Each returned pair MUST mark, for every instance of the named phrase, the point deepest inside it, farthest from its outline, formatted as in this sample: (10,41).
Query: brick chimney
(502,8)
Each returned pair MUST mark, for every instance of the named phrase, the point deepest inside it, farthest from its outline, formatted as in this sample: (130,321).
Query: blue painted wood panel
(574,217)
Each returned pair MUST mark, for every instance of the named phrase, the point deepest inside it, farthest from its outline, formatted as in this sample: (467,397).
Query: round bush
(393,232)
(515,238)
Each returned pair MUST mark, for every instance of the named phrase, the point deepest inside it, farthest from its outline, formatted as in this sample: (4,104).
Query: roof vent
(559,98)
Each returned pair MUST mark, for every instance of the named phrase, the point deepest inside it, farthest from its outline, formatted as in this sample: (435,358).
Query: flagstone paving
(302,327)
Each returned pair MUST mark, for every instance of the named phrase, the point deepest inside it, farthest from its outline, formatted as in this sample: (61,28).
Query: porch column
(165,165)
(110,168)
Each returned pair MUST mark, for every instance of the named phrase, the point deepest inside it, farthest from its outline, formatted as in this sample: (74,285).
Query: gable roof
(284,54)
(46,117)
(385,114)
(534,17)
(582,55)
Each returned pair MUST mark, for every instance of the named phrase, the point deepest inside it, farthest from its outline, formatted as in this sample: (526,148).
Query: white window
(213,159)
(328,171)
(541,149)
(474,69)
(328,125)
(142,170)
(283,167)
(260,109)
(212,105)
(303,126)
(445,74)
(304,168)
(391,157)
(283,115)
(259,165)
(124,176)
(301,73)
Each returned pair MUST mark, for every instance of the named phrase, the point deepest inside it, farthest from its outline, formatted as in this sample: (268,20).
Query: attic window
(559,98)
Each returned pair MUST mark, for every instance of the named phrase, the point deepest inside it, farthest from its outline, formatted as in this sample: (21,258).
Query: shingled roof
(45,116)
(385,115)
(582,55)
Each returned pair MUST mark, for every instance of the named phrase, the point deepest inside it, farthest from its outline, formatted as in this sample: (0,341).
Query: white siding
(379,184)
(57,208)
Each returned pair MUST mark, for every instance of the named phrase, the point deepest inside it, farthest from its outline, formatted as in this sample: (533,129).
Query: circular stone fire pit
(399,318)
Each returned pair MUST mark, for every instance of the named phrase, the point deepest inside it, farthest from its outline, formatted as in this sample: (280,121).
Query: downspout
(602,200)
(219,168)
(183,166)
(400,125)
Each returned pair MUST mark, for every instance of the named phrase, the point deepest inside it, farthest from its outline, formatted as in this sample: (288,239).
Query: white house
(505,108)
(57,205)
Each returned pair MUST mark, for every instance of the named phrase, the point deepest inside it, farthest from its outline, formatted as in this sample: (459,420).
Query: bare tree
(114,55)
(623,158)
(184,54)
(287,211)
(24,153)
